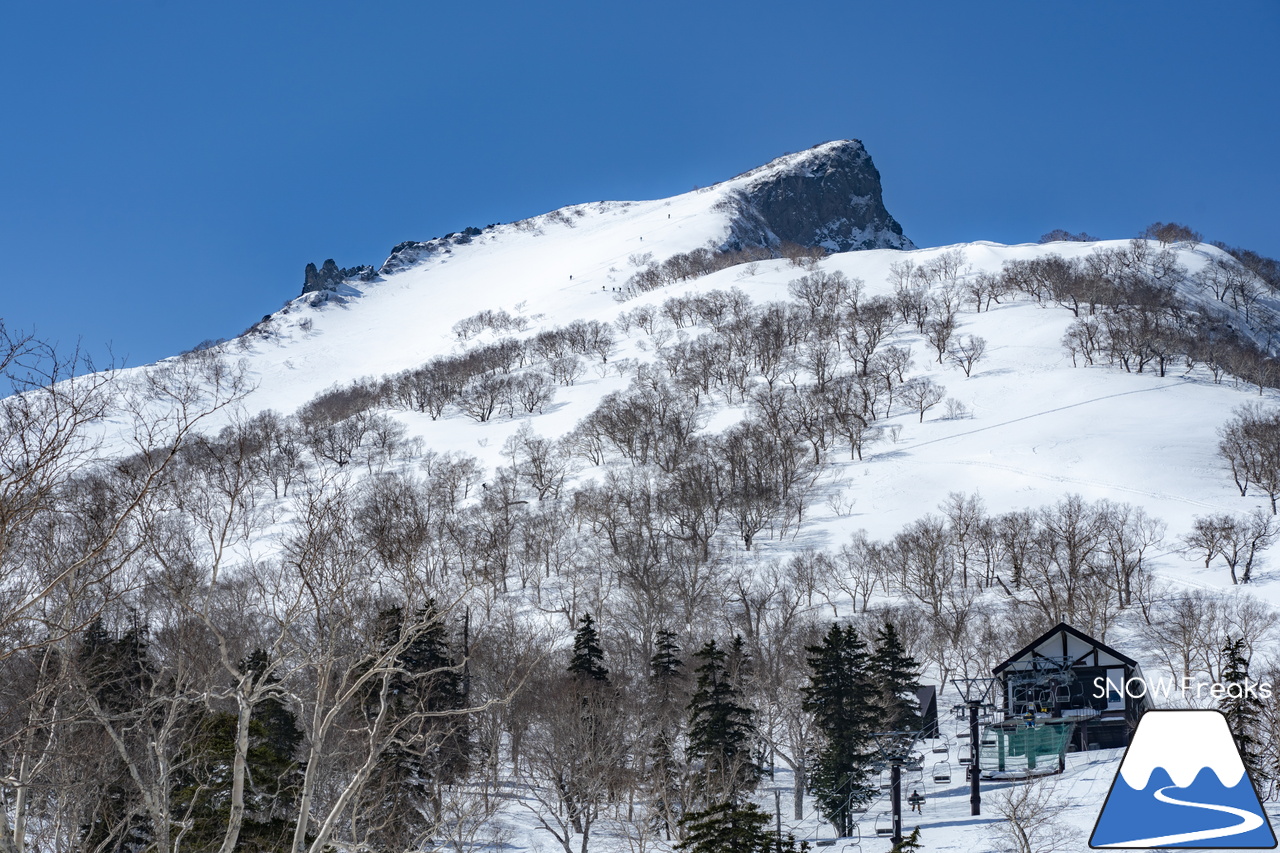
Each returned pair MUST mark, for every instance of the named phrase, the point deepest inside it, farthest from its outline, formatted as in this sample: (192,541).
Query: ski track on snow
(1060,478)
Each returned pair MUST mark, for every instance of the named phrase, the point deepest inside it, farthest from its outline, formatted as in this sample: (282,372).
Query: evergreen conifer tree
(896,676)
(273,775)
(666,682)
(842,701)
(909,843)
(1243,711)
(722,730)
(728,827)
(432,747)
(117,677)
(588,657)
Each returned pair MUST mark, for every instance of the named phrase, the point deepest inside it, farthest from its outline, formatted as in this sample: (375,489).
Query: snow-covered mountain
(1034,426)
(1020,423)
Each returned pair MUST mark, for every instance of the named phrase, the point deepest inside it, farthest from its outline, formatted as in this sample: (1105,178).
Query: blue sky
(167,170)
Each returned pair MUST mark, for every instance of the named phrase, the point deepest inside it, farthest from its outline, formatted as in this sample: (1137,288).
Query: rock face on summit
(330,276)
(826,196)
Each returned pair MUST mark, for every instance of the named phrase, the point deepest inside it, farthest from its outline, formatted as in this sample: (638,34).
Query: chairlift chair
(942,772)
(884,824)
(941,746)
(966,758)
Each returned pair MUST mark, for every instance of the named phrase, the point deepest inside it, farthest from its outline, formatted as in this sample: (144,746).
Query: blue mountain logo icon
(1182,784)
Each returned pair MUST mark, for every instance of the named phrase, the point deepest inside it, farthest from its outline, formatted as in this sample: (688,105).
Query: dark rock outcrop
(330,276)
(828,196)
(409,253)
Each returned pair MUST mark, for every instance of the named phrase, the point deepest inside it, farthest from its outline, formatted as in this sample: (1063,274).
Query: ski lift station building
(1066,677)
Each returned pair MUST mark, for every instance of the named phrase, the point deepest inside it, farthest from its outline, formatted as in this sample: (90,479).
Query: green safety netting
(1022,749)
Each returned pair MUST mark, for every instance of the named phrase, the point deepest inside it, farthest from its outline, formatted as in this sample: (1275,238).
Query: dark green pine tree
(273,774)
(432,681)
(666,706)
(842,700)
(424,697)
(896,676)
(118,678)
(274,771)
(909,843)
(587,663)
(722,732)
(1243,711)
(728,827)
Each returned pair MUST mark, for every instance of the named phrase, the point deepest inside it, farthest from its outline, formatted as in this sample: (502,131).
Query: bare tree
(965,354)
(1250,442)
(939,331)
(922,394)
(1243,538)
(1032,813)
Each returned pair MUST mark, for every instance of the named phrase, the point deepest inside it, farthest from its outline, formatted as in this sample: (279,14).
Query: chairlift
(942,772)
(886,780)
(966,758)
(914,763)
(963,734)
(884,824)
(941,746)
(988,739)
(916,799)
(1063,694)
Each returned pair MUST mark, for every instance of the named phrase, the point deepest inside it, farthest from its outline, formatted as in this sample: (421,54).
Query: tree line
(308,631)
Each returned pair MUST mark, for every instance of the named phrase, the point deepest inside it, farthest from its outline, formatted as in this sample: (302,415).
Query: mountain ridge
(828,196)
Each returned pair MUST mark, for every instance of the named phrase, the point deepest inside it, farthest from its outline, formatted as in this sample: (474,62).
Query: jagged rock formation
(828,196)
(409,253)
(330,276)
(412,252)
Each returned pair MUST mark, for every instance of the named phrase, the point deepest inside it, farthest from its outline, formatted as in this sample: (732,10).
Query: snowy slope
(1037,428)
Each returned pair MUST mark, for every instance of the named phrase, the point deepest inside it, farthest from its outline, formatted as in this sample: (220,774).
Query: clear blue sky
(167,170)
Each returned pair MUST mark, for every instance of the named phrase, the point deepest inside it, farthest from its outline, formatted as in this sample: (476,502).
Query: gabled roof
(1057,642)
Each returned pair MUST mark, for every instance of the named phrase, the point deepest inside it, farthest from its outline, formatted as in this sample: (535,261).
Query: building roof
(1063,641)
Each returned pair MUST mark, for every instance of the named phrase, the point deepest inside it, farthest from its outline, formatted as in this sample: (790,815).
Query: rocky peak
(827,196)
(330,276)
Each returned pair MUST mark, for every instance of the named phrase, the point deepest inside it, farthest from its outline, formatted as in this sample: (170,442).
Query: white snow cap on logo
(1183,743)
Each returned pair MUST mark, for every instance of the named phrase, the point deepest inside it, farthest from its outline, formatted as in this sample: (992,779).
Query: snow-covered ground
(1037,427)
